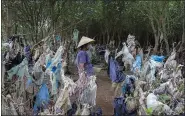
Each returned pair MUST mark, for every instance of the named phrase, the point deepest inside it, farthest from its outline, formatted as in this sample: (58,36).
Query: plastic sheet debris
(127,56)
(73,110)
(115,74)
(75,35)
(27,51)
(5,45)
(55,73)
(98,112)
(131,42)
(48,60)
(58,71)
(85,110)
(154,104)
(137,64)
(18,70)
(58,37)
(157,58)
(106,56)
(149,69)
(28,83)
(128,86)
(36,54)
(56,59)
(42,98)
(63,103)
(119,106)
(53,83)
(88,95)
(48,64)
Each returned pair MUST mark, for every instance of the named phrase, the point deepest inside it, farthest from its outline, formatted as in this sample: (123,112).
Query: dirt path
(104,94)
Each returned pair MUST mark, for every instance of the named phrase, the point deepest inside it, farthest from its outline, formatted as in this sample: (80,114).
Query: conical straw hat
(84,40)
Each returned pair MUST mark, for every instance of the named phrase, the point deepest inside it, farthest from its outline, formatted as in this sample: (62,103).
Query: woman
(86,85)
(83,60)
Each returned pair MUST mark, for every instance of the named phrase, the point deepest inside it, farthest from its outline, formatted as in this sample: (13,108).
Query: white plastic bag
(36,54)
(152,101)
(154,104)
(106,56)
(63,101)
(86,111)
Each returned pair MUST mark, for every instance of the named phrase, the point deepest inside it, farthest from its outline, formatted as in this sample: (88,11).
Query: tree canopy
(157,23)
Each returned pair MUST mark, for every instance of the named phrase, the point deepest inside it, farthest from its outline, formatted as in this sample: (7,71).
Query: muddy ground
(104,93)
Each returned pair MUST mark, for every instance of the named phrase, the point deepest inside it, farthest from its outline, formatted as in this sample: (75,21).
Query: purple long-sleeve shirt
(82,57)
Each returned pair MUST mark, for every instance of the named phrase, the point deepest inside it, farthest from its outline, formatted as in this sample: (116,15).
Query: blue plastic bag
(128,85)
(58,70)
(137,63)
(42,98)
(54,68)
(72,111)
(119,106)
(114,72)
(48,61)
(12,72)
(58,38)
(157,58)
(48,64)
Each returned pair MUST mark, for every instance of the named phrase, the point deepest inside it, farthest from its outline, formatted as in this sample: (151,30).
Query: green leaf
(149,111)
(164,98)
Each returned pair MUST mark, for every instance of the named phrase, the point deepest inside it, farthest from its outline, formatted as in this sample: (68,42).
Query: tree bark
(119,39)
(156,35)
(9,22)
(183,29)
(103,42)
(167,45)
(108,37)
(164,32)
(183,33)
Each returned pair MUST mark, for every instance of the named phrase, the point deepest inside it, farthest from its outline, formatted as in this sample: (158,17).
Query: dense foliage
(154,22)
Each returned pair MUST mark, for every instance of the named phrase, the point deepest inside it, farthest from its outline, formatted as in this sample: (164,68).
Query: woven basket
(96,69)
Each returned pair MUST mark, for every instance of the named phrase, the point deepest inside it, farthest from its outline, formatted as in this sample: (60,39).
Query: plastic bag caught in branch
(85,110)
(157,58)
(56,59)
(115,74)
(137,64)
(106,56)
(154,104)
(28,83)
(172,57)
(63,103)
(39,63)
(36,54)
(53,83)
(75,35)
(88,95)
(131,42)
(19,70)
(42,98)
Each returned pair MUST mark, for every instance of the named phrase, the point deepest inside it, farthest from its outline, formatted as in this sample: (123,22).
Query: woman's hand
(81,67)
